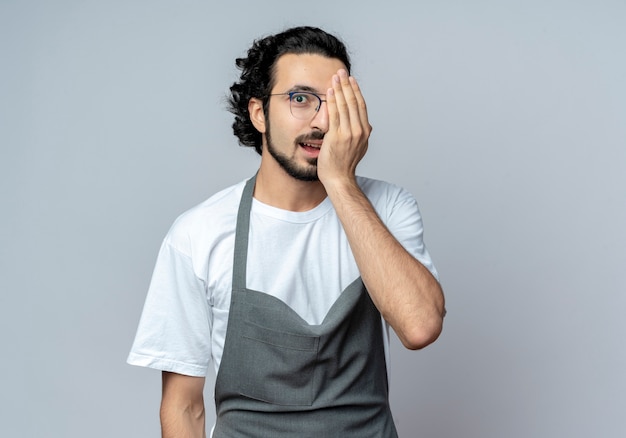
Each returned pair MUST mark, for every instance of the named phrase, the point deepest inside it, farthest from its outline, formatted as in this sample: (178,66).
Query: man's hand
(345,143)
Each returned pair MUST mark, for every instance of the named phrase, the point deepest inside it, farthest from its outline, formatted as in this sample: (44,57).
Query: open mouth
(310,147)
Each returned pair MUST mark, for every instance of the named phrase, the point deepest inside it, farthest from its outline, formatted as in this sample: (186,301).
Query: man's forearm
(182,406)
(404,291)
(186,421)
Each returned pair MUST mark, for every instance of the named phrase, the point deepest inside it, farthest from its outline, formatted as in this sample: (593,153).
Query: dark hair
(257,72)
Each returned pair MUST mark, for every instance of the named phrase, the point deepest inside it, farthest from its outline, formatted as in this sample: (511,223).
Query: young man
(288,281)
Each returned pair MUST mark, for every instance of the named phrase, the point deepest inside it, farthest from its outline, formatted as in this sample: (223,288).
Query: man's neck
(277,188)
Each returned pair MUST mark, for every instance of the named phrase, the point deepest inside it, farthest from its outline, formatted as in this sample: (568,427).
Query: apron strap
(241,236)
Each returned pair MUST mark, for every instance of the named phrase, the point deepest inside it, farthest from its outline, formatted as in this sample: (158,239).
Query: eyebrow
(305,88)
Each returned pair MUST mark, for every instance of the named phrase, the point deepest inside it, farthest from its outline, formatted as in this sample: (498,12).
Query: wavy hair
(257,73)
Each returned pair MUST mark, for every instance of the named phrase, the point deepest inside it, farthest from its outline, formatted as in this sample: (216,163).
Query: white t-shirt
(302,258)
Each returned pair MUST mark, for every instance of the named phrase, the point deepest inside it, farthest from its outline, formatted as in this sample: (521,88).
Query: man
(281,280)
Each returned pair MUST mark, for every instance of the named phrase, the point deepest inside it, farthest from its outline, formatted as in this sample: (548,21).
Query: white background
(506,119)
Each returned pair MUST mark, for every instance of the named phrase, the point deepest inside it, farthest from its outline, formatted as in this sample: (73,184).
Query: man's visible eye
(300,99)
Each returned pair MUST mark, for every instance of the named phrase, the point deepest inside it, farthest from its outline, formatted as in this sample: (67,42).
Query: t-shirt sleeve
(174,331)
(405,223)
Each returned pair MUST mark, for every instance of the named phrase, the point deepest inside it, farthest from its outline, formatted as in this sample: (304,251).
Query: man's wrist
(340,185)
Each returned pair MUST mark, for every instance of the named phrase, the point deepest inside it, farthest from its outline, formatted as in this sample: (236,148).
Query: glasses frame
(291,94)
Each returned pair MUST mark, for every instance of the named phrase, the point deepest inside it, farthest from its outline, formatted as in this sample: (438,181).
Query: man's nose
(320,120)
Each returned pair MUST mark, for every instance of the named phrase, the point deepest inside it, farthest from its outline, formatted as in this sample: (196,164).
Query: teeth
(311,145)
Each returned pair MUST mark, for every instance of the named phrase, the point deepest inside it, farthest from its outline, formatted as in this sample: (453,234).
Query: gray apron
(281,377)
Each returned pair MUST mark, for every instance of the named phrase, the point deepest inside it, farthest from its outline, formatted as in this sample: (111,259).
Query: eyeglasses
(303,104)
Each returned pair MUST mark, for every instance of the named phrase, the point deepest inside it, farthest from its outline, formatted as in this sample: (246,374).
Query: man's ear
(257,116)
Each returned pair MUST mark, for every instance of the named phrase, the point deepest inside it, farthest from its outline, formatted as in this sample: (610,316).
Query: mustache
(315,135)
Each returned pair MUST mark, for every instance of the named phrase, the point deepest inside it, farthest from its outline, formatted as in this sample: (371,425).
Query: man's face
(292,142)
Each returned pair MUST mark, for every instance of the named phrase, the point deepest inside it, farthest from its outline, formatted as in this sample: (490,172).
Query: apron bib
(282,378)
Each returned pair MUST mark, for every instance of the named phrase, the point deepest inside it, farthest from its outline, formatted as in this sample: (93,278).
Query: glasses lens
(304,105)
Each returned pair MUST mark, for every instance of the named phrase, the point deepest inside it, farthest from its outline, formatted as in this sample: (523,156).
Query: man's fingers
(348,127)
(347,111)
(355,106)
(333,113)
(362,106)
(340,98)
(352,103)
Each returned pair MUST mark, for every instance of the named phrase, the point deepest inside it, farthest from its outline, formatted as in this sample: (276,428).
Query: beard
(289,164)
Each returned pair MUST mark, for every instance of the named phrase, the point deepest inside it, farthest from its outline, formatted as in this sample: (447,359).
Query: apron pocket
(278,367)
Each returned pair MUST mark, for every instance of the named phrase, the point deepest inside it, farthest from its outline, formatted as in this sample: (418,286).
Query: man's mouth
(311,142)
(308,145)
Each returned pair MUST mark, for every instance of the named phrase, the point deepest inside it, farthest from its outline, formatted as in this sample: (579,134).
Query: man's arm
(404,291)
(182,406)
